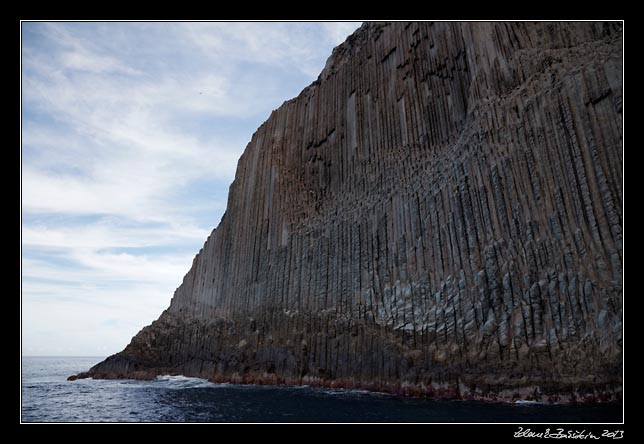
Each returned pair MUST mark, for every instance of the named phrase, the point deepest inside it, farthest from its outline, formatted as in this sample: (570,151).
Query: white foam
(180,381)
(526,402)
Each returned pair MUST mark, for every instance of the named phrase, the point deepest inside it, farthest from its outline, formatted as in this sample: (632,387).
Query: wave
(526,402)
(182,382)
(350,392)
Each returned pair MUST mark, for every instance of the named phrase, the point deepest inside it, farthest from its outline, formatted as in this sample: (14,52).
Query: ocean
(48,397)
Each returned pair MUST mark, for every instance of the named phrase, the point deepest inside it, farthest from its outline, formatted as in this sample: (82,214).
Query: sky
(131,134)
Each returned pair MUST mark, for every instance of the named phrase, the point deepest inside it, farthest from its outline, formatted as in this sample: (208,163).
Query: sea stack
(439,213)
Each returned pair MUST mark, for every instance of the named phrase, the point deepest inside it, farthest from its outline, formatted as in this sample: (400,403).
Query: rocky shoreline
(451,392)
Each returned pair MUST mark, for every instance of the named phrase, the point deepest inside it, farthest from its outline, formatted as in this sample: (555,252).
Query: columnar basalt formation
(439,213)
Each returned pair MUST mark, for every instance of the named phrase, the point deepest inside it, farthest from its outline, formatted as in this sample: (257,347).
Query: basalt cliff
(439,213)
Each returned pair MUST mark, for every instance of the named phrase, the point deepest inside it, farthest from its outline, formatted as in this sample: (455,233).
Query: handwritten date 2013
(568,434)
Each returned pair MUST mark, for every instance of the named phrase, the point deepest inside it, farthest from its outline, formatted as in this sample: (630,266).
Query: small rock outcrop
(440,213)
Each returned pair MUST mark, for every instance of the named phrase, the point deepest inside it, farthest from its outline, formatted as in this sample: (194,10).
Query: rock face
(439,213)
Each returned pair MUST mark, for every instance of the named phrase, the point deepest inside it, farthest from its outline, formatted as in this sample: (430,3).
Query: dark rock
(438,214)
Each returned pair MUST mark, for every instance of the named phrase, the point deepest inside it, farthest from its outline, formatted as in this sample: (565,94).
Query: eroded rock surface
(439,213)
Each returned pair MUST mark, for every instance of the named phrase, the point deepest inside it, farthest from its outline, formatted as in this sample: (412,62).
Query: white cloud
(85,61)
(338,31)
(270,43)
(108,234)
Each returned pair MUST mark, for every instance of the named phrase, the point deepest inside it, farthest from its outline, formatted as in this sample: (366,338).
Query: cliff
(439,213)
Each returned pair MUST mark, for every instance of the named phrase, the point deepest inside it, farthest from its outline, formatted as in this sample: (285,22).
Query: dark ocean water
(48,397)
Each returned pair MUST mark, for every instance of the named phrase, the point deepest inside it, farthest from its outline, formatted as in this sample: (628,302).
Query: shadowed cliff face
(439,213)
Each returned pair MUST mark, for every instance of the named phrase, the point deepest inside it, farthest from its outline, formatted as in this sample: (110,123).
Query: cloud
(104,234)
(286,45)
(84,61)
(131,135)
(338,31)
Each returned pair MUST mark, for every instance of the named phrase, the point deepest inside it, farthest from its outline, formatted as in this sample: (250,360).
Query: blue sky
(130,138)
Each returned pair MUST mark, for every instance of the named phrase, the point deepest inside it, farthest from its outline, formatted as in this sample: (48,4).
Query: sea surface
(48,397)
